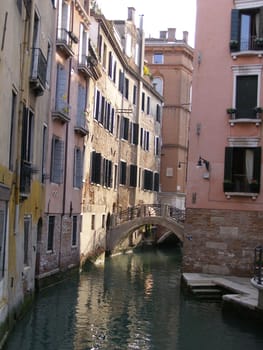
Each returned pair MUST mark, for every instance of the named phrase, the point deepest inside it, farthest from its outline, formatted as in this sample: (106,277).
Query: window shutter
(98,168)
(57,160)
(235,24)
(228,166)
(133,175)
(77,168)
(97,109)
(93,167)
(260,34)
(81,105)
(61,88)
(156,182)
(257,164)
(135,134)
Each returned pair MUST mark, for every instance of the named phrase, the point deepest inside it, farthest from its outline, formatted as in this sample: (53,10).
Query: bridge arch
(117,234)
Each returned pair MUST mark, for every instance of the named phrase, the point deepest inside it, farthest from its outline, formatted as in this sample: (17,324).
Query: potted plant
(258,110)
(231,111)
(234,45)
(259,42)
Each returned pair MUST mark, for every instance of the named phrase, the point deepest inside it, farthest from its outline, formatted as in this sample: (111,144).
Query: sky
(157,15)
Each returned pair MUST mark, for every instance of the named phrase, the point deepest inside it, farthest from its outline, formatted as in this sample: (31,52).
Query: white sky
(158,15)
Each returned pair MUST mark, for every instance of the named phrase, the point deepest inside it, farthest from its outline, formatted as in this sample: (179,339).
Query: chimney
(185,37)
(131,14)
(171,34)
(163,34)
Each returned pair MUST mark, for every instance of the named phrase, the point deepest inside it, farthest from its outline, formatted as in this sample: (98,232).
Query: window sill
(256,121)
(236,54)
(241,194)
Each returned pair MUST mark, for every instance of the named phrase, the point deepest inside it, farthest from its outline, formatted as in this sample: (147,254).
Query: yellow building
(25,63)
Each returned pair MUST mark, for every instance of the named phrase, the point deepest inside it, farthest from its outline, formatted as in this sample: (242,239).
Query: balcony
(38,72)
(250,115)
(249,46)
(64,41)
(81,126)
(61,111)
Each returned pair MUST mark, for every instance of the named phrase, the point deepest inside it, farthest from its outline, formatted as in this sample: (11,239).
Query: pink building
(224,217)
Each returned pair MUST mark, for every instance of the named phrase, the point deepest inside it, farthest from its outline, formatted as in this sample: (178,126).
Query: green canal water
(135,302)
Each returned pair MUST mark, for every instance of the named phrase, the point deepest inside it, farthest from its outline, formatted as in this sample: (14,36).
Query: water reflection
(134,303)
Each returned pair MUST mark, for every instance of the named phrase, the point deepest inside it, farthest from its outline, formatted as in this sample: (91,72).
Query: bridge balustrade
(148,210)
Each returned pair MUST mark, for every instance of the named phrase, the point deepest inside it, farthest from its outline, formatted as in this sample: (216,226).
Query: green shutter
(228,185)
(235,25)
(260,32)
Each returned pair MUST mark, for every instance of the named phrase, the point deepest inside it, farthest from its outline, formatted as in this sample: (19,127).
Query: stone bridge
(128,221)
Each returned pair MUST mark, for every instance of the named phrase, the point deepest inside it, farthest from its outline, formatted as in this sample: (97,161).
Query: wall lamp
(201,162)
(180,164)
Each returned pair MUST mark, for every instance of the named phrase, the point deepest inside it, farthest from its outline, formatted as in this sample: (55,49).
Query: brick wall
(221,242)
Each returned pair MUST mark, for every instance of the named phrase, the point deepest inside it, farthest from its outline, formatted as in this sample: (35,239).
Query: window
(107,173)
(93,222)
(57,160)
(74,230)
(83,44)
(63,21)
(78,167)
(134,133)
(246,91)
(44,153)
(158,113)
(246,96)
(124,128)
(121,81)
(104,61)
(156,182)
(145,139)
(100,46)
(128,45)
(123,168)
(156,146)
(148,180)
(242,169)
(26,150)
(61,102)
(97,105)
(158,58)
(158,84)
(51,229)
(27,230)
(246,29)
(3,218)
(81,106)
(96,167)
(134,98)
(133,175)
(126,90)
(143,101)
(12,131)
(103,221)
(148,105)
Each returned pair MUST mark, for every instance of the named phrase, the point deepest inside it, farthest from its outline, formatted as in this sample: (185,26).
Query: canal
(135,302)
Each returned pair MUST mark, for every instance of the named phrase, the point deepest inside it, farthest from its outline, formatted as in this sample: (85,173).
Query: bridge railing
(147,210)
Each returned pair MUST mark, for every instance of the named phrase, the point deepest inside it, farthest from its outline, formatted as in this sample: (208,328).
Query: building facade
(122,158)
(58,244)
(170,62)
(224,196)
(25,71)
